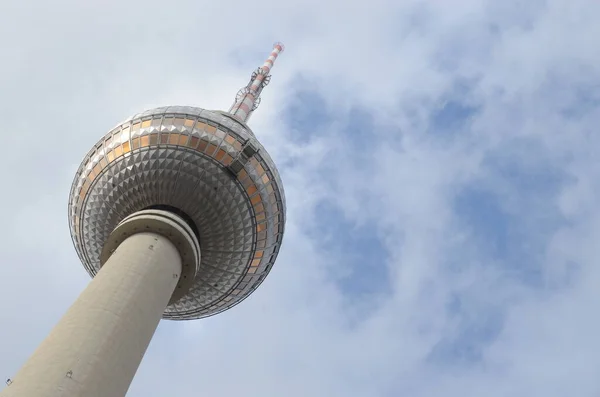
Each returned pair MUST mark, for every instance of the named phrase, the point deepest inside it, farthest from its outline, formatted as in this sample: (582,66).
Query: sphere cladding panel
(200,162)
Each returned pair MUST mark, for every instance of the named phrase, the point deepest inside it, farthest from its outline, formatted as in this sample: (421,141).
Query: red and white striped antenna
(248,98)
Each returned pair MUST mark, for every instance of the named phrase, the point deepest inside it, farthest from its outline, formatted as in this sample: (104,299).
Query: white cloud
(458,319)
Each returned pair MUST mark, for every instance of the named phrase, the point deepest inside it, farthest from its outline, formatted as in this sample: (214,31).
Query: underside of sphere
(210,170)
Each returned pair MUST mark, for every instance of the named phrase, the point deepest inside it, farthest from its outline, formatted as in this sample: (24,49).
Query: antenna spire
(248,98)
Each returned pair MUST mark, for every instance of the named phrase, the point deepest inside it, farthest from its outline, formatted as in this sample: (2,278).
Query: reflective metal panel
(206,165)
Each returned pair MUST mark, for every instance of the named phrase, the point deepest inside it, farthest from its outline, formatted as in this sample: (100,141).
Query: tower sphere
(208,168)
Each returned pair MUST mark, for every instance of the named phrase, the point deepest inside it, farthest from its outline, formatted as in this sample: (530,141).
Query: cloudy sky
(440,160)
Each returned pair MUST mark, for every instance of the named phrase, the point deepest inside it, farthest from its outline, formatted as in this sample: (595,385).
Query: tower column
(97,346)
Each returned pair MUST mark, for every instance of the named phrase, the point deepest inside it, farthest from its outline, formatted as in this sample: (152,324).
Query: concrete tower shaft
(97,346)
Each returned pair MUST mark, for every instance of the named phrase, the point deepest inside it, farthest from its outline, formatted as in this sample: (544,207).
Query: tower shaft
(97,346)
(248,98)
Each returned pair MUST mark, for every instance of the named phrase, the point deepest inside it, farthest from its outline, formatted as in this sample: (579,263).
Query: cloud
(440,167)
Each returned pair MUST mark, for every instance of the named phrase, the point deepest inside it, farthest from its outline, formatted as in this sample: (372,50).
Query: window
(229,139)
(193,142)
(227,159)
(174,138)
(202,145)
(251,190)
(259,208)
(259,169)
(210,149)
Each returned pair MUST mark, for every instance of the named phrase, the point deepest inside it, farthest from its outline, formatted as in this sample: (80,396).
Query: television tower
(177,213)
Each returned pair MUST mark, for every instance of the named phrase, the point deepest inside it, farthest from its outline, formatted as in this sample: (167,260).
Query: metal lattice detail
(248,99)
(256,103)
(198,162)
(258,71)
(241,93)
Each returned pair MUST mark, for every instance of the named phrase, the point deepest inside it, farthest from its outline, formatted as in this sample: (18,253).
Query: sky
(440,162)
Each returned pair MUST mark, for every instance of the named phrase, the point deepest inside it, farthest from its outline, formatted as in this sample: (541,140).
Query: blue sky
(441,173)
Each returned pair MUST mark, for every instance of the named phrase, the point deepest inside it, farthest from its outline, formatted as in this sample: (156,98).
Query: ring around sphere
(172,228)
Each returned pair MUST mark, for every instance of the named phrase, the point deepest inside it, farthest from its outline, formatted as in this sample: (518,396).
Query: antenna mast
(248,98)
